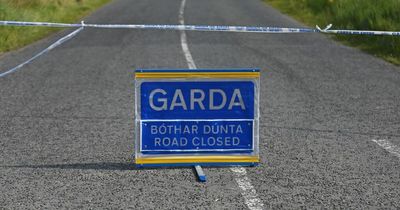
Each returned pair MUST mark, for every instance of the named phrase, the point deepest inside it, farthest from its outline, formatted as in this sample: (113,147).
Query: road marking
(388,146)
(248,192)
(185,47)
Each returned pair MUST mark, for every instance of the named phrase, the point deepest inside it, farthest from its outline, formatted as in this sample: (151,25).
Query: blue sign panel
(165,137)
(197,100)
(197,117)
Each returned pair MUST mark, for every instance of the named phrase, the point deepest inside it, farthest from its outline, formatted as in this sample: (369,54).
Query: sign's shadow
(112,166)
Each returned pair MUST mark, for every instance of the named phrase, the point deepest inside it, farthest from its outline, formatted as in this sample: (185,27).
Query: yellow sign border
(224,75)
(198,159)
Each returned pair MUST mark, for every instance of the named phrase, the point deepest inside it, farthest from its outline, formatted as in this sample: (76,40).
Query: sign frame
(196,158)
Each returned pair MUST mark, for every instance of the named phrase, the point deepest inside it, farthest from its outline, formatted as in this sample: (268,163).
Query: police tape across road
(254,29)
(242,29)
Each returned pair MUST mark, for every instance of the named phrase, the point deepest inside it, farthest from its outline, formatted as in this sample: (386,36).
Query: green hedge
(352,14)
(39,10)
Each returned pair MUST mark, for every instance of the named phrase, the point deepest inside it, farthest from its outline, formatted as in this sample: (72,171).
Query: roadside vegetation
(352,14)
(68,11)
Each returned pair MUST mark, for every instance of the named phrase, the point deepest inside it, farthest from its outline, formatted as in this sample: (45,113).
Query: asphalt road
(66,120)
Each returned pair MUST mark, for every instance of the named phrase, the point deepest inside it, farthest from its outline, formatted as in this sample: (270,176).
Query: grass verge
(68,11)
(352,14)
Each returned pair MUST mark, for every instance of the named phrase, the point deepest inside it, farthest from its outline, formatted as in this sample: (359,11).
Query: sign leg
(200,173)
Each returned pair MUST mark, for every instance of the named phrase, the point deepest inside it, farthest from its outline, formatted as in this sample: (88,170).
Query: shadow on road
(81,166)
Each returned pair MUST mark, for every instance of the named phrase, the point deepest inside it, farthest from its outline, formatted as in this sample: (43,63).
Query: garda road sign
(197,117)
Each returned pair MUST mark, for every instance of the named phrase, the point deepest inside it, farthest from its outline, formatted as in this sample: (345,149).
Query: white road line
(249,193)
(388,146)
(185,47)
